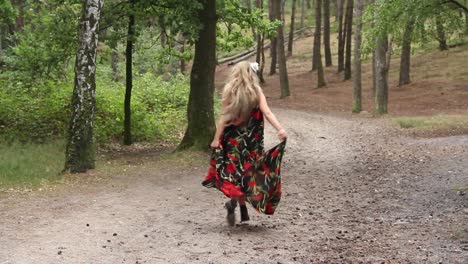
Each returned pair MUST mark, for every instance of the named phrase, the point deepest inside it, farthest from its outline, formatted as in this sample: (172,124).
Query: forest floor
(356,188)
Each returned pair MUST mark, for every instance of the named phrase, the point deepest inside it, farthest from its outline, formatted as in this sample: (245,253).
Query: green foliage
(46,43)
(390,18)
(42,113)
(30,165)
(235,24)
(7,12)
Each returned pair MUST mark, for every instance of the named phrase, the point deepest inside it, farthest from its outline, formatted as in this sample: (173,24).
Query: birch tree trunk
(284,82)
(200,114)
(79,155)
(357,90)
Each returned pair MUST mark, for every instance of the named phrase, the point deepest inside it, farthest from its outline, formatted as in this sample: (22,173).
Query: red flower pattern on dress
(231,168)
(236,174)
(234,142)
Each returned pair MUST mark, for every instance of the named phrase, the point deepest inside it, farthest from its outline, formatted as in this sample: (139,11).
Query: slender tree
(317,56)
(441,34)
(357,94)
(80,146)
(349,29)
(405,61)
(274,40)
(182,50)
(284,82)
(200,115)
(291,28)
(381,77)
(260,56)
(341,36)
(303,2)
(129,77)
(326,32)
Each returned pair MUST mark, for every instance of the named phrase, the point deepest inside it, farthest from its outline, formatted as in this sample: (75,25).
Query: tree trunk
(284,82)
(200,114)
(349,30)
(441,34)
(357,90)
(317,49)
(79,155)
(326,33)
(381,70)
(19,24)
(114,64)
(309,5)
(274,41)
(128,71)
(302,14)
(291,28)
(374,74)
(405,62)
(260,56)
(340,37)
(182,50)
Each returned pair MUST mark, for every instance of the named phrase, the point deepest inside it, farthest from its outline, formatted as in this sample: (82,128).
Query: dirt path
(355,190)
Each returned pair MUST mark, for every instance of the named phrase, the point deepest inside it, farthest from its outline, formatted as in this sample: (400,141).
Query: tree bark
(260,56)
(357,89)
(326,33)
(441,34)
(405,61)
(182,50)
(381,70)
(274,40)
(284,82)
(200,114)
(79,155)
(129,78)
(340,37)
(302,14)
(291,28)
(317,49)
(349,30)
(114,64)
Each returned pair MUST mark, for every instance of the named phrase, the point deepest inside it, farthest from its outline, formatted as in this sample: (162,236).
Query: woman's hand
(215,144)
(282,134)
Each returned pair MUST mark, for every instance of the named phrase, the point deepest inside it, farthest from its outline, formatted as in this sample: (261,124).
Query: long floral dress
(241,167)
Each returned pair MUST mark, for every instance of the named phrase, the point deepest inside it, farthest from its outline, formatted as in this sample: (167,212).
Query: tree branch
(457,4)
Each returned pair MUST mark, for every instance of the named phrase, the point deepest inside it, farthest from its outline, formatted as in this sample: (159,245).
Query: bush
(40,113)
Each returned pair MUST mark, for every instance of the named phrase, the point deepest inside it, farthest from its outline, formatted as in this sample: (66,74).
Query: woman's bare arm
(270,116)
(219,128)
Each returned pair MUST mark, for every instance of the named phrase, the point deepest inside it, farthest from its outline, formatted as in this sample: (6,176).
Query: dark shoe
(231,211)
(244,213)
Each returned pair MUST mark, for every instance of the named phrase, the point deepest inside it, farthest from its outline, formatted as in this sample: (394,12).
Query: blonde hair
(241,93)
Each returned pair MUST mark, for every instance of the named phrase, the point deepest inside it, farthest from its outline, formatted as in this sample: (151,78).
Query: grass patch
(461,187)
(30,165)
(442,122)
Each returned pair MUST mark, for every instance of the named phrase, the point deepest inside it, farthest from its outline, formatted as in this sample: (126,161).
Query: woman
(239,166)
